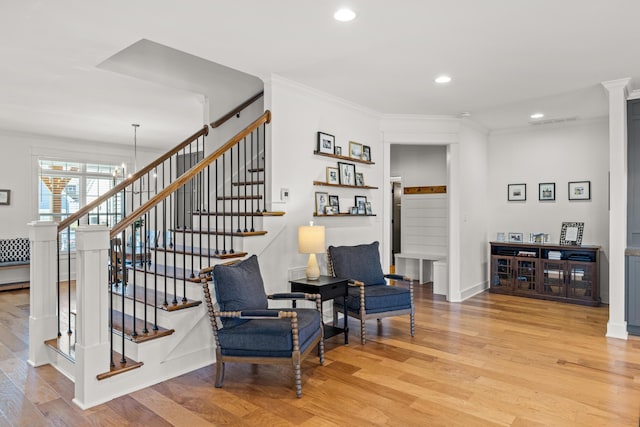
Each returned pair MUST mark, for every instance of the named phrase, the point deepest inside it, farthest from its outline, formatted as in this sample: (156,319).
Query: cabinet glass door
(525,278)
(581,280)
(553,279)
(502,269)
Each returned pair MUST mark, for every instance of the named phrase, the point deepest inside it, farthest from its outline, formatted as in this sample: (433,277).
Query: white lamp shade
(311,239)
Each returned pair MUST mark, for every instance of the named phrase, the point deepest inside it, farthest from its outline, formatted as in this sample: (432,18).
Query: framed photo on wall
(580,190)
(333,175)
(547,191)
(5,197)
(516,192)
(347,173)
(360,202)
(366,153)
(326,143)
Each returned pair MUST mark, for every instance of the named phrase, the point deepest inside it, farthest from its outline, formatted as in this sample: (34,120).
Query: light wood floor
(492,360)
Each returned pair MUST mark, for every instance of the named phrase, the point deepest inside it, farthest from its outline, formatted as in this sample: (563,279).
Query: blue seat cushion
(377,299)
(239,287)
(270,337)
(360,262)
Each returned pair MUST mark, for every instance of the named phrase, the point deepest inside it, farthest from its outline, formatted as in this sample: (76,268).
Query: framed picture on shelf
(355,150)
(5,197)
(367,208)
(515,237)
(322,200)
(580,190)
(516,192)
(360,204)
(330,210)
(334,201)
(347,173)
(337,150)
(366,153)
(333,175)
(571,233)
(547,191)
(354,210)
(359,179)
(326,143)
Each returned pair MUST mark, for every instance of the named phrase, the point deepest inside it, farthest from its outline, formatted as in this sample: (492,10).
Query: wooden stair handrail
(188,175)
(123,184)
(222,120)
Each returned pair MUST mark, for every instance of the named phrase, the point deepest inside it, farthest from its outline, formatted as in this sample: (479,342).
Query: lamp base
(312,271)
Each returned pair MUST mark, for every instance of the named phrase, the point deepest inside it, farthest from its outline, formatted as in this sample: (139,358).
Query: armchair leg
(363,331)
(413,325)
(296,368)
(321,350)
(219,373)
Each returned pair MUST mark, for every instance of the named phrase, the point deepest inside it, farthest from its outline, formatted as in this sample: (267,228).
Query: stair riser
(229,223)
(193,290)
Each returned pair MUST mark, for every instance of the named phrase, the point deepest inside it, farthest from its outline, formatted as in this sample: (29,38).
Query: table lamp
(311,241)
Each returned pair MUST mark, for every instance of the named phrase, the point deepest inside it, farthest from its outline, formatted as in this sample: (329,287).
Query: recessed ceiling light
(537,116)
(443,79)
(344,15)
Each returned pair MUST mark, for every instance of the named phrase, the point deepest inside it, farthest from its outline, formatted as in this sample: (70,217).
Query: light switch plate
(284,194)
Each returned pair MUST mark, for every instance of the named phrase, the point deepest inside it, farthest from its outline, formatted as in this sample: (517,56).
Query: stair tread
(63,346)
(140,292)
(207,252)
(119,368)
(241,183)
(140,324)
(221,233)
(241,213)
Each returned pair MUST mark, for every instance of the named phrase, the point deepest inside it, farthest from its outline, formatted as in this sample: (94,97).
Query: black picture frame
(360,202)
(580,190)
(5,197)
(366,153)
(334,201)
(326,143)
(516,192)
(347,173)
(547,191)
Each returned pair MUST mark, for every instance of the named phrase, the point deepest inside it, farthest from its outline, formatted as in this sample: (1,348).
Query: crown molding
(534,128)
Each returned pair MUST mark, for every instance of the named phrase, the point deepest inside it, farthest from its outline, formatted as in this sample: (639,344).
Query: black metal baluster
(264,167)
(252,186)
(122,289)
(244,161)
(155,252)
(215,185)
(69,280)
(224,204)
(58,284)
(114,279)
(134,255)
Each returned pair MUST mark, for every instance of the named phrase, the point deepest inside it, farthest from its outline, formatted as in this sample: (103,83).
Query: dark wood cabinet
(546,271)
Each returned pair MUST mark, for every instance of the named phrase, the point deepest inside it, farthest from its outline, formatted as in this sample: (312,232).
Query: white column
(455,248)
(43,320)
(92,319)
(617,325)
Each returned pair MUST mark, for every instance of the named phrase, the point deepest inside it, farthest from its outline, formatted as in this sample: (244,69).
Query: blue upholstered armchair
(247,331)
(370,297)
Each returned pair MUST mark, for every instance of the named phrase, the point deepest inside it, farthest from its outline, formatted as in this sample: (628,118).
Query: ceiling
(508,59)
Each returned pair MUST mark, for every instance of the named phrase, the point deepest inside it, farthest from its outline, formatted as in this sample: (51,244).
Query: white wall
(552,153)
(18,170)
(419,165)
(299,113)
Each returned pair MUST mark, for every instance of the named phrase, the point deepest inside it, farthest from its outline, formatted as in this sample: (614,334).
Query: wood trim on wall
(434,189)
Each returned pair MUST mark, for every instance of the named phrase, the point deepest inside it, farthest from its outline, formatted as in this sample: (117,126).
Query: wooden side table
(329,288)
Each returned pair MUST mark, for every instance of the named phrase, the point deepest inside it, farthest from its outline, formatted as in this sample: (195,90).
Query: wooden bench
(14,259)
(402,258)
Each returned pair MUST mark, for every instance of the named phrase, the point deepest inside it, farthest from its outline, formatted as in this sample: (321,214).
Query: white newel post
(42,296)
(92,319)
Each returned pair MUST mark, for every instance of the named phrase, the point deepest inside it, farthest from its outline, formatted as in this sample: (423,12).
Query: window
(64,187)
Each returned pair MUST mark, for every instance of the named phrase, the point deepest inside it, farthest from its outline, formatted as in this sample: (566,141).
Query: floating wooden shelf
(326,184)
(343,214)
(351,159)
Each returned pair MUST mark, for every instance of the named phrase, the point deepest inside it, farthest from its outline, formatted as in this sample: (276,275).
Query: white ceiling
(508,59)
